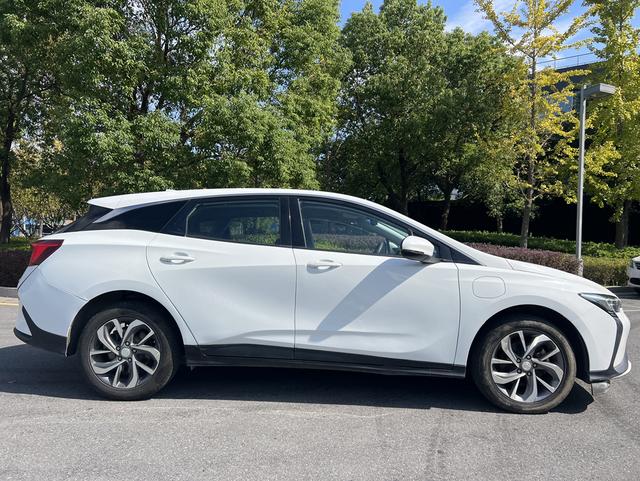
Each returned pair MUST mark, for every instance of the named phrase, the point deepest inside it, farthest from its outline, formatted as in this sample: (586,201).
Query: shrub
(17,243)
(591,249)
(556,260)
(606,271)
(12,265)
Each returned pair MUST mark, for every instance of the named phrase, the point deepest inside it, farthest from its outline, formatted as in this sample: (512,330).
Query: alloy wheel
(527,366)
(124,353)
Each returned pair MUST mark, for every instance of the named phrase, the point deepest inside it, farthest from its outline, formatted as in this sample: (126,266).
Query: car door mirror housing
(417,249)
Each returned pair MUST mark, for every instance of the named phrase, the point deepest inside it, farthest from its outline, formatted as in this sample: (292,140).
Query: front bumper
(619,364)
(41,338)
(620,370)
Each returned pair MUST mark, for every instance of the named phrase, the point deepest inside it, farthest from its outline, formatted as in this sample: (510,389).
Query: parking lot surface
(268,424)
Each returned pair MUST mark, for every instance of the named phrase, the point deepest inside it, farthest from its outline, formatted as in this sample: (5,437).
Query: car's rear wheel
(128,352)
(525,365)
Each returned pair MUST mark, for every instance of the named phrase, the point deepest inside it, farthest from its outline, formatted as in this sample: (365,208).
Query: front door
(358,300)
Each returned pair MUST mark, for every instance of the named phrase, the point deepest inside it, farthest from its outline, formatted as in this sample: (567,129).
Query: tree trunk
(6,206)
(528,203)
(404,182)
(444,222)
(499,224)
(526,218)
(399,202)
(622,226)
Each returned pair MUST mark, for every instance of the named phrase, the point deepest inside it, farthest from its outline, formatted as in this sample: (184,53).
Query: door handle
(324,264)
(177,258)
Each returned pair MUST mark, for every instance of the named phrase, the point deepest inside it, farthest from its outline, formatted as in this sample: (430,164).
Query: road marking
(14,304)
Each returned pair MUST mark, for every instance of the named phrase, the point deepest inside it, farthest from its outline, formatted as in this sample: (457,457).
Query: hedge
(12,265)
(605,271)
(556,260)
(590,249)
(17,243)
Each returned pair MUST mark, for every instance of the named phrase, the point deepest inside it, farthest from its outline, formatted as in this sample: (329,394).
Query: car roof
(131,200)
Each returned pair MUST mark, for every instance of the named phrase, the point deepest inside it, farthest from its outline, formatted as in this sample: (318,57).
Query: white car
(262,277)
(633,273)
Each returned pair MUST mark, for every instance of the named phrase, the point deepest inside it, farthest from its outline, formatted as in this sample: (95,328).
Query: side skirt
(281,357)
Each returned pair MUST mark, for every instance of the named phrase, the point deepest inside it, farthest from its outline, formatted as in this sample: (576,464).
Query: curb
(8,292)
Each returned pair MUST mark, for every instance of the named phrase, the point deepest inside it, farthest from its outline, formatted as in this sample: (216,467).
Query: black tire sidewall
(481,369)
(168,351)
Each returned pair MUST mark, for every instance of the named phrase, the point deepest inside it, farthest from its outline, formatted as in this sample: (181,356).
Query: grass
(17,243)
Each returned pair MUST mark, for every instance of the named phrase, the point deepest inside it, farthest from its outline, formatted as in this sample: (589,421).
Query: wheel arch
(558,320)
(111,299)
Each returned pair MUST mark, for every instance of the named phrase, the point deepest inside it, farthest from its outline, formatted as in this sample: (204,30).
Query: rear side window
(94,213)
(150,218)
(252,221)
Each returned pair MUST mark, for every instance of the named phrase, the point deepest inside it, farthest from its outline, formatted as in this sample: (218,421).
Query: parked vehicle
(249,277)
(633,273)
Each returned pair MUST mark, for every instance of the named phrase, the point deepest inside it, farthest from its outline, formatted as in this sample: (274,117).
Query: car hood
(580,283)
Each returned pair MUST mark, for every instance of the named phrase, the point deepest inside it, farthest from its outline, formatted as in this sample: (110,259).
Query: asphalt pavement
(279,424)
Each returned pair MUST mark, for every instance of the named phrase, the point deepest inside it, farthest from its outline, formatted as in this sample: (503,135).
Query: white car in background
(250,277)
(633,273)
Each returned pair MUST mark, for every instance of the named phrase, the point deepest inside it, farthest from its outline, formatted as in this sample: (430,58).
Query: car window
(254,222)
(334,227)
(151,218)
(81,223)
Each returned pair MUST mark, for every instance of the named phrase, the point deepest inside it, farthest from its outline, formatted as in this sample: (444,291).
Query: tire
(543,388)
(143,366)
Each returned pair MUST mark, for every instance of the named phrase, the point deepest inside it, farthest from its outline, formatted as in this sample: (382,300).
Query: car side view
(144,283)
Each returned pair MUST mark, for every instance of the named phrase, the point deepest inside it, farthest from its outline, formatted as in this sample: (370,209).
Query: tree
(530,31)
(474,112)
(194,93)
(34,207)
(494,181)
(418,105)
(387,94)
(31,35)
(614,156)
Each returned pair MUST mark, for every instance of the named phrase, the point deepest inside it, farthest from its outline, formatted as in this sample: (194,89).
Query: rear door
(228,267)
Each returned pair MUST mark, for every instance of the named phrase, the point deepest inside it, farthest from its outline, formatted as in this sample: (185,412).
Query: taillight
(42,249)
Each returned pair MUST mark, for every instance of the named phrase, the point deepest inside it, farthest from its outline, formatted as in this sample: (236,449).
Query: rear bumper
(41,338)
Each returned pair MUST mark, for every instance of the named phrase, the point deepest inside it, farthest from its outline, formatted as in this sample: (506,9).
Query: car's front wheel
(128,352)
(525,365)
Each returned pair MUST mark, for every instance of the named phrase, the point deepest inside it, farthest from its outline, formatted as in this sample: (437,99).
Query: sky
(462,13)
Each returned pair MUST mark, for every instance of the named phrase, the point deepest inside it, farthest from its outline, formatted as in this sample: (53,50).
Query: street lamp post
(586,93)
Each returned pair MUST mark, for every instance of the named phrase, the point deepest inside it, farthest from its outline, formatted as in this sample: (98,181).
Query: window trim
(284,218)
(299,239)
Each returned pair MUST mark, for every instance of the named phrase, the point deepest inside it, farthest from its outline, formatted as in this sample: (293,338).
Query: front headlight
(608,303)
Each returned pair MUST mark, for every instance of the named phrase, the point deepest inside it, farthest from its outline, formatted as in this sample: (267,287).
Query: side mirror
(417,249)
